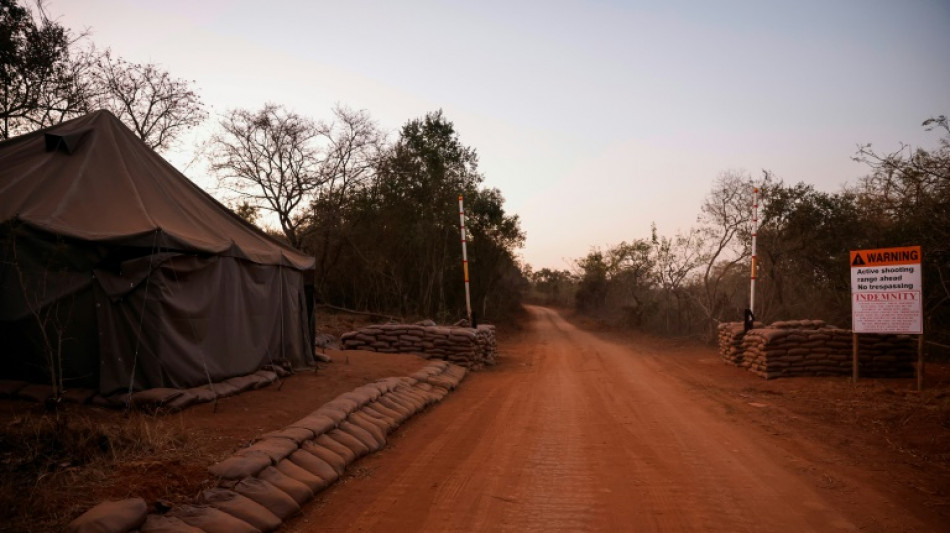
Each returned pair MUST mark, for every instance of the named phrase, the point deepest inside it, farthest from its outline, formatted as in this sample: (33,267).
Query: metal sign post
(468,297)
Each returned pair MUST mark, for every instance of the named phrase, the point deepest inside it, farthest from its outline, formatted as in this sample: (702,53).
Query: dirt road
(575,433)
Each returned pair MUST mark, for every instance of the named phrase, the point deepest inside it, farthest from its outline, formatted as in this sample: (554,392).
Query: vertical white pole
(755,231)
(468,297)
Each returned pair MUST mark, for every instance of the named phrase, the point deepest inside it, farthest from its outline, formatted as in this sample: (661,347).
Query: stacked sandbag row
(261,485)
(773,352)
(887,355)
(156,399)
(799,324)
(730,342)
(465,346)
(487,343)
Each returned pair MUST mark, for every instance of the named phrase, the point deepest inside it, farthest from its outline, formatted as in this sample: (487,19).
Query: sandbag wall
(262,485)
(730,341)
(812,348)
(465,346)
(158,399)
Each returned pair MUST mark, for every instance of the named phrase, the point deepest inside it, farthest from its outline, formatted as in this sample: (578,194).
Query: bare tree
(350,146)
(271,159)
(352,143)
(70,97)
(155,105)
(46,78)
(38,79)
(907,197)
(675,260)
(48,294)
(726,227)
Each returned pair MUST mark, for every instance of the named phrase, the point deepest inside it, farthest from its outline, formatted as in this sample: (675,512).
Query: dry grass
(53,466)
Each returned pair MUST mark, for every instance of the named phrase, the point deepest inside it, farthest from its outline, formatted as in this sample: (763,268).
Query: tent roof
(91,178)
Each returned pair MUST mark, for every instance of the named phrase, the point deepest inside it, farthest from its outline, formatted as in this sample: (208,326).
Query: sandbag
(386,412)
(443,381)
(202,394)
(291,469)
(390,402)
(425,391)
(410,403)
(389,384)
(167,524)
(153,398)
(357,434)
(240,466)
(336,410)
(211,520)
(382,385)
(266,378)
(278,369)
(388,422)
(344,403)
(223,389)
(80,396)
(111,517)
(276,449)
(360,434)
(182,401)
(412,395)
(296,434)
(315,422)
(361,396)
(274,499)
(343,450)
(455,371)
(376,427)
(334,459)
(441,391)
(425,373)
(300,492)
(316,466)
(243,383)
(241,507)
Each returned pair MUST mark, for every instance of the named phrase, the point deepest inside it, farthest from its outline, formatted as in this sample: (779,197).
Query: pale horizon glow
(594,119)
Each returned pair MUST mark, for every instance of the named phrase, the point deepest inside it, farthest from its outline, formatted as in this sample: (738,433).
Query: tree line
(380,217)
(379,214)
(688,283)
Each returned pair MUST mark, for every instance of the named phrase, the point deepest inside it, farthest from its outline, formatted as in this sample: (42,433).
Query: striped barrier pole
(755,231)
(468,297)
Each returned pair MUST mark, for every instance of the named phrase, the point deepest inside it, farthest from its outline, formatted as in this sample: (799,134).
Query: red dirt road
(576,433)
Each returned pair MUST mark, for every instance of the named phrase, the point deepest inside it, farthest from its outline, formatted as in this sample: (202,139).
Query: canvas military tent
(117,272)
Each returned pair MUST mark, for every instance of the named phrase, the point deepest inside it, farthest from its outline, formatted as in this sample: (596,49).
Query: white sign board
(886,291)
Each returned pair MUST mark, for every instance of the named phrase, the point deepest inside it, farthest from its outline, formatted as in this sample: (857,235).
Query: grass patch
(54,466)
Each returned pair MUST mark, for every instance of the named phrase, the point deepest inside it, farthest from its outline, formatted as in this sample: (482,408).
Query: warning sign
(907,255)
(886,291)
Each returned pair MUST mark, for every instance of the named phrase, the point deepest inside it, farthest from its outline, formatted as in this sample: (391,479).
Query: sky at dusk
(595,119)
